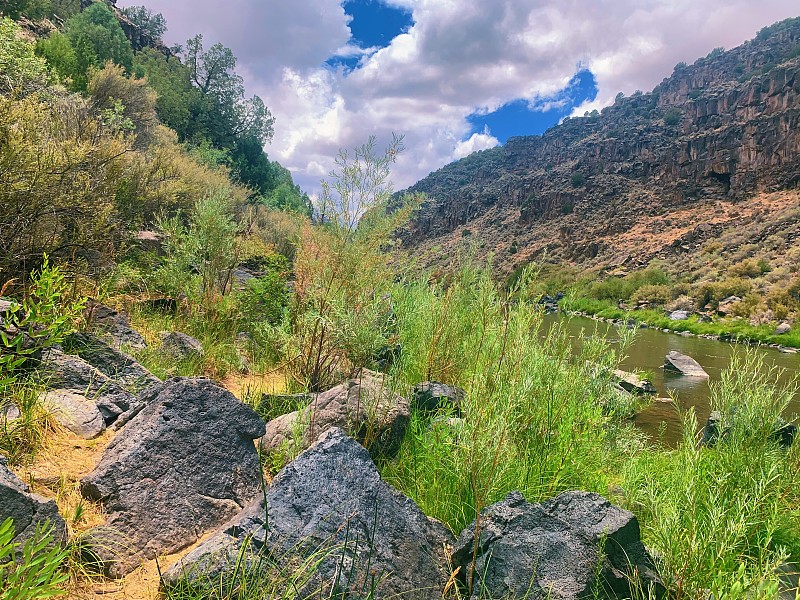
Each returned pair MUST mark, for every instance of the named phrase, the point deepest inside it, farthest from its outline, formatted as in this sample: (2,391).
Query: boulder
(184,464)
(28,510)
(8,412)
(365,407)
(783,328)
(630,382)
(726,305)
(685,365)
(679,315)
(113,363)
(68,372)
(113,327)
(75,412)
(331,500)
(564,548)
(431,396)
(180,346)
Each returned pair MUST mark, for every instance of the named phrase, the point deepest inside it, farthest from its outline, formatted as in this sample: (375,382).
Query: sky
(451,76)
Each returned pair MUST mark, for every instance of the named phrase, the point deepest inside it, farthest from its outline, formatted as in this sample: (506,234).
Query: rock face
(69,372)
(430,396)
(180,346)
(27,510)
(714,132)
(685,365)
(332,497)
(552,550)
(364,407)
(75,412)
(184,464)
(113,327)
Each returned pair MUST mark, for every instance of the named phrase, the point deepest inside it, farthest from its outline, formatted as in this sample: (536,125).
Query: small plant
(577,179)
(32,570)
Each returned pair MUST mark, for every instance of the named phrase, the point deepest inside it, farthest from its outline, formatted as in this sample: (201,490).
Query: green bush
(673,116)
(577,179)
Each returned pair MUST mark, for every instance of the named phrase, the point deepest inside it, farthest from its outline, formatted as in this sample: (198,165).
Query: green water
(647,352)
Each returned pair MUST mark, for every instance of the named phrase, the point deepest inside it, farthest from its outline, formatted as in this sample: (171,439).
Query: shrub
(30,571)
(673,116)
(21,71)
(577,179)
(658,295)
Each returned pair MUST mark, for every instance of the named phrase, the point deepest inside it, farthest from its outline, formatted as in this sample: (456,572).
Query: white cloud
(458,57)
(477,141)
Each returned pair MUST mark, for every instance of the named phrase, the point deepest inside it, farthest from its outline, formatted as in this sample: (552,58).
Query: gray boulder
(180,346)
(28,510)
(430,396)
(184,464)
(685,365)
(70,372)
(75,412)
(365,407)
(331,500)
(564,548)
(8,412)
(114,364)
(113,327)
(631,382)
(783,328)
(679,315)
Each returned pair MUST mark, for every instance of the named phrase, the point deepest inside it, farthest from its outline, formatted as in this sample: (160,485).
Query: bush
(658,295)
(577,179)
(673,116)
(21,71)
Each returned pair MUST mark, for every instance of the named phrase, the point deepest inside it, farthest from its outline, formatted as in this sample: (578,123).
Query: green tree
(151,23)
(97,38)
(59,53)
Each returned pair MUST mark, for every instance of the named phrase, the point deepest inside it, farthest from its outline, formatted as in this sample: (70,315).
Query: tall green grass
(535,418)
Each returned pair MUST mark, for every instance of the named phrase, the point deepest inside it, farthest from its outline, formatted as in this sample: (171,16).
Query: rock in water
(183,465)
(685,365)
(75,412)
(332,497)
(365,407)
(27,510)
(553,550)
(631,382)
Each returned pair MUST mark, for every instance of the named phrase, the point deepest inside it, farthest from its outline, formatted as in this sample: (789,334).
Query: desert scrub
(723,518)
(535,418)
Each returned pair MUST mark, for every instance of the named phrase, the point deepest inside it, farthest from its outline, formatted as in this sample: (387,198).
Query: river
(647,352)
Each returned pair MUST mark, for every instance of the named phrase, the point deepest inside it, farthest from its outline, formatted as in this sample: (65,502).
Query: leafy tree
(21,71)
(151,23)
(61,56)
(98,30)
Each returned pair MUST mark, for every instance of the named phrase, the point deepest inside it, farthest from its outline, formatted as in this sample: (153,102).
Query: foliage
(36,574)
(153,24)
(724,518)
(340,317)
(59,10)
(266,298)
(673,116)
(21,71)
(577,179)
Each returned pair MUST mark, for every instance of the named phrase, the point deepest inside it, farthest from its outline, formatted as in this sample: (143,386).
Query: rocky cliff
(636,180)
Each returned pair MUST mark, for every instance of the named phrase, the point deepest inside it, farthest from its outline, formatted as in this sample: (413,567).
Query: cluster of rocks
(184,463)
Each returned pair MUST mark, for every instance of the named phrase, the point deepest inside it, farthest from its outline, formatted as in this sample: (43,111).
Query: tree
(98,30)
(154,24)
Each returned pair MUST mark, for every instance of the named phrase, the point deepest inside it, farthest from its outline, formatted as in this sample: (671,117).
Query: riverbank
(726,329)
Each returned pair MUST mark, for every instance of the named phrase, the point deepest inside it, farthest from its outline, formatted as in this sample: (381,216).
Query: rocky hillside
(655,175)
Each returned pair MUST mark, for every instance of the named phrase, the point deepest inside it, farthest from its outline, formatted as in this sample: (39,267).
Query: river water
(661,420)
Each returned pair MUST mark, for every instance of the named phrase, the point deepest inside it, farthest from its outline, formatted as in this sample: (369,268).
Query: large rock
(431,396)
(564,548)
(113,327)
(631,382)
(113,363)
(783,328)
(332,498)
(679,315)
(28,510)
(180,346)
(726,305)
(75,412)
(70,372)
(685,365)
(365,407)
(184,464)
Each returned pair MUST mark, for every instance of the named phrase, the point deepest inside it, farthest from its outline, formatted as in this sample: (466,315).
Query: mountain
(712,151)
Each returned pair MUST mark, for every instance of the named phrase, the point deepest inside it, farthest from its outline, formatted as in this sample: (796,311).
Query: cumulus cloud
(459,57)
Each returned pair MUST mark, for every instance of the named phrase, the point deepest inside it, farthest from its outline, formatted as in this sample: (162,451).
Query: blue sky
(452,76)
